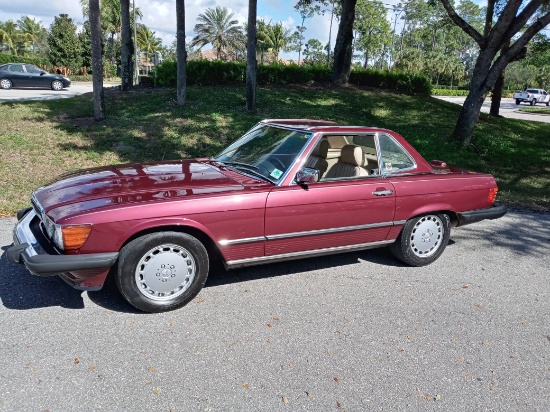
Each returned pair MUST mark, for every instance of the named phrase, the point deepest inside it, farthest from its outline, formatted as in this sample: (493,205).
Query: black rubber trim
(21,213)
(494,212)
(48,265)
(14,253)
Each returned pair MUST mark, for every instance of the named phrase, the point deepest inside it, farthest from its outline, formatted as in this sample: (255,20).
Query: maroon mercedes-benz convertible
(287,189)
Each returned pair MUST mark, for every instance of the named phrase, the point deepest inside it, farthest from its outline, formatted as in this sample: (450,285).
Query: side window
(394,157)
(32,69)
(17,68)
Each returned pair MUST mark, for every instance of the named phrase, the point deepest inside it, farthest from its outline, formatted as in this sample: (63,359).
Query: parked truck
(532,96)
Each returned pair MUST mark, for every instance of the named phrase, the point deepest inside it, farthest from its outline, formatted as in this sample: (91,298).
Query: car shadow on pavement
(20,290)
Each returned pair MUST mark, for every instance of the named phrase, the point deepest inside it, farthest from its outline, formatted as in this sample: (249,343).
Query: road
(353,332)
(508,108)
(76,89)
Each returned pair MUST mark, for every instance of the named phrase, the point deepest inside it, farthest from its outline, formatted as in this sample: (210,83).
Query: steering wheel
(278,163)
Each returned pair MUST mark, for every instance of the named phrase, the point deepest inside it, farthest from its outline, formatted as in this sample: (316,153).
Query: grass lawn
(535,110)
(40,140)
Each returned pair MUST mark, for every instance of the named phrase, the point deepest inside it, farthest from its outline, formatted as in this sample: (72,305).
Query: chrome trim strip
(331,230)
(22,234)
(226,242)
(309,253)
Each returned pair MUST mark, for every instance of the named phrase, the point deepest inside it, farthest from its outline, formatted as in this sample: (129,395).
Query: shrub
(206,72)
(447,92)
(11,58)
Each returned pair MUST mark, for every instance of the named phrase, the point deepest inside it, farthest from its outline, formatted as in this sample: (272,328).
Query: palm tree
(146,41)
(181,81)
(277,38)
(30,28)
(217,28)
(97,62)
(8,36)
(251,57)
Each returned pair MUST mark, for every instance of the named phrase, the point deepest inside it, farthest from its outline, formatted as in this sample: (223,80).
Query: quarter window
(394,157)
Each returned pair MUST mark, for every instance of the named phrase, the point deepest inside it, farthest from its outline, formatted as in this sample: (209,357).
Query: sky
(159,15)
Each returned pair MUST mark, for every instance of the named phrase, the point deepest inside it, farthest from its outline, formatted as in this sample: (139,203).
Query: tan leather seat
(318,158)
(351,163)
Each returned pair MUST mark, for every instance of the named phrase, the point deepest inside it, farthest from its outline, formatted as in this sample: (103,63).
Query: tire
(533,102)
(547,103)
(518,101)
(6,84)
(161,271)
(57,85)
(422,240)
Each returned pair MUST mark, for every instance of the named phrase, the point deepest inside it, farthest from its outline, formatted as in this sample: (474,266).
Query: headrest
(321,150)
(353,154)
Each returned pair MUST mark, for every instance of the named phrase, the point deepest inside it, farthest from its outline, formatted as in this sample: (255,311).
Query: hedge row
(206,72)
(11,58)
(451,93)
(447,92)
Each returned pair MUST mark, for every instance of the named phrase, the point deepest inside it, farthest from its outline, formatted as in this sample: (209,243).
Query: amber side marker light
(75,236)
(493,195)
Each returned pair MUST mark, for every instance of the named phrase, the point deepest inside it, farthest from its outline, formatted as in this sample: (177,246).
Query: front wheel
(162,271)
(533,102)
(5,84)
(57,85)
(422,240)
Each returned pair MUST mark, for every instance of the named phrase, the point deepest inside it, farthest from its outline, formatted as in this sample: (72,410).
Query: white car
(532,96)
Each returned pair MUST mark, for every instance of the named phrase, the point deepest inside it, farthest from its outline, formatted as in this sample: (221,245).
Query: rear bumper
(43,259)
(494,212)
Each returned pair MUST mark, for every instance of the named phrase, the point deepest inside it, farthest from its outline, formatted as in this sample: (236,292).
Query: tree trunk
(497,95)
(127,47)
(181,52)
(251,64)
(97,62)
(342,50)
(468,117)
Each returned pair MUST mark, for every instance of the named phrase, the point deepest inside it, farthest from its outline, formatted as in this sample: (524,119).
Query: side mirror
(438,163)
(307,175)
(43,73)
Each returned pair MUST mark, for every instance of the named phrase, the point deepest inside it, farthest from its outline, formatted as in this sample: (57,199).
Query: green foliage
(449,92)
(206,72)
(65,49)
(393,80)
(11,58)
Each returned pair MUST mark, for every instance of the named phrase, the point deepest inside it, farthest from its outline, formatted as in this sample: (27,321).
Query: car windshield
(265,152)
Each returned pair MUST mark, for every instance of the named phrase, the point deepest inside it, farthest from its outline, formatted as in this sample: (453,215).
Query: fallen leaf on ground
(336,380)
(245,385)
(76,361)
(285,399)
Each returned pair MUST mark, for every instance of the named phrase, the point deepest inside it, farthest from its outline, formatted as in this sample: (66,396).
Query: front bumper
(494,212)
(41,258)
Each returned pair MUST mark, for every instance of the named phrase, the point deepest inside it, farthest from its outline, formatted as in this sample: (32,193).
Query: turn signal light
(75,236)
(493,195)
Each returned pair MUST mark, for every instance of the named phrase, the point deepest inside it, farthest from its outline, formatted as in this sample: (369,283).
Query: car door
(17,75)
(35,77)
(327,215)
(336,212)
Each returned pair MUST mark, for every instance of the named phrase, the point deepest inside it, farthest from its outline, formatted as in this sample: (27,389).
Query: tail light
(492,195)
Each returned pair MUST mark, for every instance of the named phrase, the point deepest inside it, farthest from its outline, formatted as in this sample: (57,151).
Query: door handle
(382,193)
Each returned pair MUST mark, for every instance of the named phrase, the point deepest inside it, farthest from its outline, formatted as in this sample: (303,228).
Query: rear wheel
(162,271)
(518,101)
(422,240)
(57,85)
(5,84)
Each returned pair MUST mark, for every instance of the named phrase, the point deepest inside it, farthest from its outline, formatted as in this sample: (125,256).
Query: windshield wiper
(245,167)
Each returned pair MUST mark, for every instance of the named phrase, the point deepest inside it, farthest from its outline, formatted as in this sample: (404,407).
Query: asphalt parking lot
(355,332)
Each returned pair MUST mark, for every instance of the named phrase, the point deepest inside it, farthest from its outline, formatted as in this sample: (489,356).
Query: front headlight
(67,236)
(66,78)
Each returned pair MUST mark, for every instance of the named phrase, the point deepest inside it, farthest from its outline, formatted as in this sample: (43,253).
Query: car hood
(120,185)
